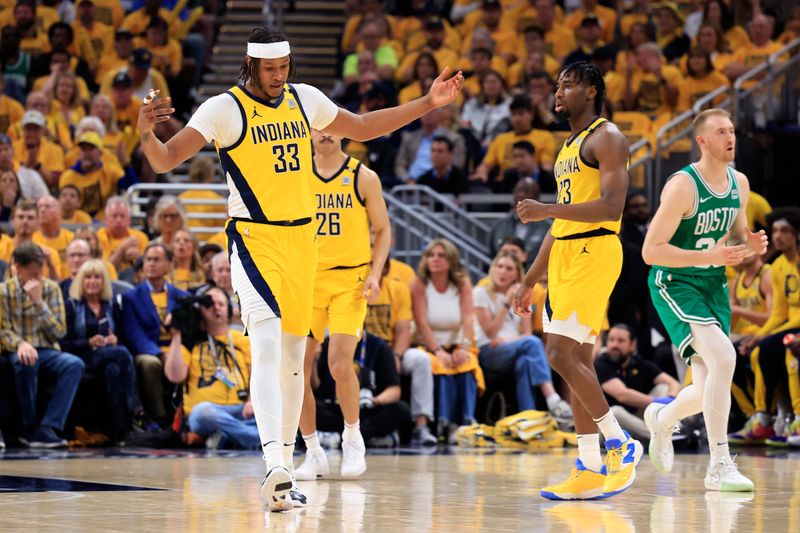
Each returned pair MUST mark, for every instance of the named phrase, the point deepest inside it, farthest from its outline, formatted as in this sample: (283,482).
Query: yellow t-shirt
(160,301)
(109,245)
(11,111)
(7,250)
(350,32)
(83,89)
(51,156)
(514,76)
(110,62)
(138,20)
(445,57)
(59,245)
(692,89)
(499,153)
(392,306)
(737,38)
(100,39)
(170,54)
(109,12)
(78,217)
(651,95)
(506,42)
(201,383)
(559,41)
(785,312)
(401,272)
(750,298)
(615,87)
(187,280)
(607,16)
(96,187)
(221,209)
(751,56)
(757,210)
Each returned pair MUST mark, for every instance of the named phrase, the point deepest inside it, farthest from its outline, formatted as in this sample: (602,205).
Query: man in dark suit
(147,309)
(444,177)
(630,301)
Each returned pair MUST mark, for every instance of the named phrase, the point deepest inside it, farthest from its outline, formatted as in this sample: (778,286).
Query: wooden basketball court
(408,491)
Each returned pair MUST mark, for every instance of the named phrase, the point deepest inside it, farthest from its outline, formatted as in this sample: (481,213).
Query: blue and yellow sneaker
(582,484)
(621,461)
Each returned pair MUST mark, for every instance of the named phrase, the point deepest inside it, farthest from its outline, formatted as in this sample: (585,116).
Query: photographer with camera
(147,309)
(214,368)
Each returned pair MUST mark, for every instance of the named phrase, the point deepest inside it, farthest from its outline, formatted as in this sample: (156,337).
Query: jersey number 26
(328,223)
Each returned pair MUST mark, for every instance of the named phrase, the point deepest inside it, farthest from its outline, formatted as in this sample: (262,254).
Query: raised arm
(609,148)
(164,157)
(378,123)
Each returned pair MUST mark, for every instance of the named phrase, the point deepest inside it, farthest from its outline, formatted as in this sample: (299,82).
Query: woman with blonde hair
(506,343)
(91,335)
(187,271)
(114,140)
(441,298)
(169,216)
(67,103)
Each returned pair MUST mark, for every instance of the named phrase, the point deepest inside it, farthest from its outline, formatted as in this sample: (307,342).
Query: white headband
(268,50)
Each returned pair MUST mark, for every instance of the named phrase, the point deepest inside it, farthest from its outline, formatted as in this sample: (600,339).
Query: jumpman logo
(255,113)
(584,251)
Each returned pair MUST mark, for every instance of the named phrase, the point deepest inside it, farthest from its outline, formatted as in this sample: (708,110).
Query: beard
(563,115)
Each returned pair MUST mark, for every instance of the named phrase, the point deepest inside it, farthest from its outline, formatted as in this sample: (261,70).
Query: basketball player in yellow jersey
(262,131)
(585,259)
(349,201)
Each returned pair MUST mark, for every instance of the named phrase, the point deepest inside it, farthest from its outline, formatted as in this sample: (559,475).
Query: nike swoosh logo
(705,199)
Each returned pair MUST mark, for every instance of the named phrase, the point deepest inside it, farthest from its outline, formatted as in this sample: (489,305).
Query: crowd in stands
(658,60)
(91,303)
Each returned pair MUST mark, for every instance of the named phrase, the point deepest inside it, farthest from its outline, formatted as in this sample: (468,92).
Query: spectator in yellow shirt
(138,20)
(50,232)
(507,44)
(499,155)
(126,106)
(67,103)
(435,45)
(757,52)
(114,140)
(60,61)
(534,44)
(142,76)
(121,244)
(717,12)
(654,90)
(425,71)
(167,53)
(709,37)
(36,152)
(640,33)
(559,39)
(187,268)
(87,29)
(702,79)
(673,41)
(69,196)
(481,64)
(606,15)
(116,57)
(33,40)
(56,130)
(96,181)
(366,8)
(603,58)
(25,222)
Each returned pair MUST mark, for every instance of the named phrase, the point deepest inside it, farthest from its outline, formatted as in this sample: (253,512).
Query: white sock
(312,442)
(552,401)
(292,390)
(719,356)
(589,451)
(610,428)
(352,431)
(265,387)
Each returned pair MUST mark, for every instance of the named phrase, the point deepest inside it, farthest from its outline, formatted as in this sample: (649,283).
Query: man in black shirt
(631,383)
(382,411)
(443,178)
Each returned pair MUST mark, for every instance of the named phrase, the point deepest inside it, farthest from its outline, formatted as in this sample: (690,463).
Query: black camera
(186,317)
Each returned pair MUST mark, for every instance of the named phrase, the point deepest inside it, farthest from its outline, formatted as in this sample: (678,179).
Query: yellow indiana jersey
(578,183)
(785,313)
(342,220)
(749,297)
(270,165)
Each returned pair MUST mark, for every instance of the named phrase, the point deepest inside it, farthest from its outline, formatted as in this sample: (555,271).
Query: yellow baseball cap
(91,137)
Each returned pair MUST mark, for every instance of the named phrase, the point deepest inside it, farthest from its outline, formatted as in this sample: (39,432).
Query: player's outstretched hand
(444,91)
(723,254)
(530,211)
(757,242)
(521,304)
(153,111)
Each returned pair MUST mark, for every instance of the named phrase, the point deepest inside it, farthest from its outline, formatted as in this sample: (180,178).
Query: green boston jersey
(712,216)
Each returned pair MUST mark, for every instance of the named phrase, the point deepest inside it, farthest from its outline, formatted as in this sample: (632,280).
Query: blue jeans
(207,417)
(457,397)
(526,359)
(115,363)
(67,371)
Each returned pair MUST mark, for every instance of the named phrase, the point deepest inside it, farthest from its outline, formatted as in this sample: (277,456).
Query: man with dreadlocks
(585,259)
(262,131)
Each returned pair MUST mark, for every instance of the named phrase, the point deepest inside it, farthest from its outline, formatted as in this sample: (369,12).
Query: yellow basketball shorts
(272,271)
(339,303)
(581,275)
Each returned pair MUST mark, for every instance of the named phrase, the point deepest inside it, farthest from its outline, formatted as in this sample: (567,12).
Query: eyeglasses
(171,216)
